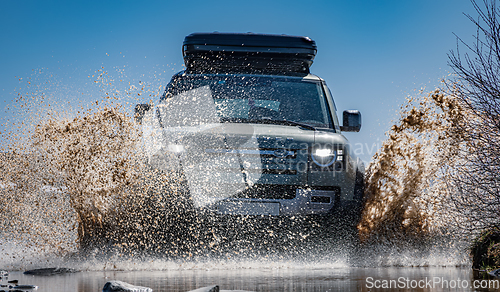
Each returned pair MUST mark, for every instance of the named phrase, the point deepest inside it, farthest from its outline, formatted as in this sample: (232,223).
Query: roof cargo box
(248,52)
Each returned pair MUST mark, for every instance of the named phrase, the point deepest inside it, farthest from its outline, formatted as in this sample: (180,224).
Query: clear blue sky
(372,54)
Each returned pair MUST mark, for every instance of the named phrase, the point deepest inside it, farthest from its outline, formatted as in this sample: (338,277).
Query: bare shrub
(475,181)
(440,165)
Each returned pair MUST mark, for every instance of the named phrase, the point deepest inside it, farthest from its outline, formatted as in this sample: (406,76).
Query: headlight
(324,157)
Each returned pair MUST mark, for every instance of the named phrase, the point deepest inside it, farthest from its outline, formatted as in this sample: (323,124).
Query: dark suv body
(252,131)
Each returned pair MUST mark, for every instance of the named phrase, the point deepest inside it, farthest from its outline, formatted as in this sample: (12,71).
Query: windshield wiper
(268,121)
(282,122)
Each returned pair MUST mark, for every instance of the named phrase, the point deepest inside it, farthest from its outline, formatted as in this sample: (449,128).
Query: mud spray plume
(407,193)
(93,157)
(77,170)
(64,181)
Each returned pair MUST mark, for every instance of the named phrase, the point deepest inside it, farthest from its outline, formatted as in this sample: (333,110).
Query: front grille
(261,191)
(274,161)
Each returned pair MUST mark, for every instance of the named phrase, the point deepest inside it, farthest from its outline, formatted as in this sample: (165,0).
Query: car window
(256,98)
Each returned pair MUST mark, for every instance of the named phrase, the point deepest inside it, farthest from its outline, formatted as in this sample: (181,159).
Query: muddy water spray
(83,183)
(69,182)
(407,179)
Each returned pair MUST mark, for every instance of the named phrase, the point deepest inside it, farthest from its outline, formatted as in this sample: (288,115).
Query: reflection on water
(258,279)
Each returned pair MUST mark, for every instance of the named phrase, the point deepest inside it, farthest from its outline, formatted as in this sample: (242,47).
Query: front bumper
(306,202)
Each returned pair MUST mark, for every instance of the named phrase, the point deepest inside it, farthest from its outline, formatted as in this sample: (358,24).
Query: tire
(359,196)
(340,225)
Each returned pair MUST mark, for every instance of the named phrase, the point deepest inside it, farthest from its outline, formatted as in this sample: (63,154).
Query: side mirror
(351,121)
(139,111)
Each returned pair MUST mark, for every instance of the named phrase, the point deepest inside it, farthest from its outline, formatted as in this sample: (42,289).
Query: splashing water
(70,172)
(95,189)
(84,186)
(408,178)
(73,183)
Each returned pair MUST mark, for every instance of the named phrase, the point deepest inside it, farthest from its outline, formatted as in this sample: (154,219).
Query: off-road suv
(252,131)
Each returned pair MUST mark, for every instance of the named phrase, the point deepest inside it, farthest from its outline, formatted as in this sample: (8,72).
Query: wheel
(339,227)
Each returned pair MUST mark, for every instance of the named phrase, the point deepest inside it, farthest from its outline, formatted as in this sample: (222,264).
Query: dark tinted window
(254,98)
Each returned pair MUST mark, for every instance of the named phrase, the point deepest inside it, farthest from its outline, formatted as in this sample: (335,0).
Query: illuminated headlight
(324,157)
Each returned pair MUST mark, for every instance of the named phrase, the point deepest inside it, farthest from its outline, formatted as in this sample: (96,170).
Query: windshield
(253,99)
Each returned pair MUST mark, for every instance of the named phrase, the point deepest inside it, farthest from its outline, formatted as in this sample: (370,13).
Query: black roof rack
(248,52)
